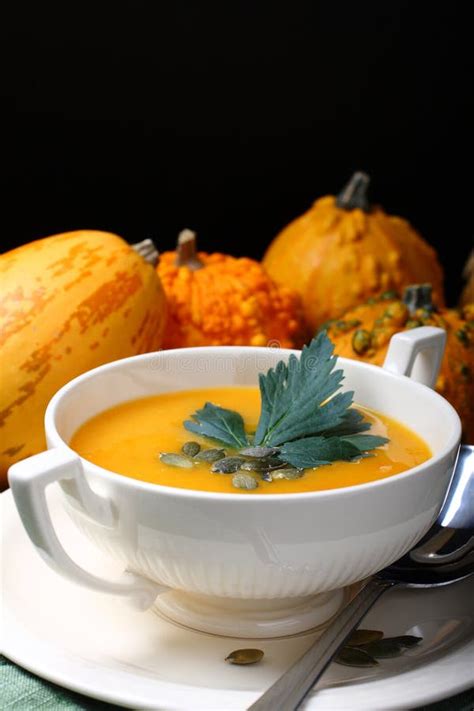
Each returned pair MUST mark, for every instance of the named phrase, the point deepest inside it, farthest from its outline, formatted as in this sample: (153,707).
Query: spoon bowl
(458,507)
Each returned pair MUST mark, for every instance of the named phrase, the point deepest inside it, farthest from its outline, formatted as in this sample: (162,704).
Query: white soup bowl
(240,564)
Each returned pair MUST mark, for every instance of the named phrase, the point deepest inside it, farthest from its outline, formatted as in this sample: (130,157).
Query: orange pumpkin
(363,333)
(69,303)
(216,299)
(343,250)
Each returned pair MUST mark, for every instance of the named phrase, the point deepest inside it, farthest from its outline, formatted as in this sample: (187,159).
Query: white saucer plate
(96,645)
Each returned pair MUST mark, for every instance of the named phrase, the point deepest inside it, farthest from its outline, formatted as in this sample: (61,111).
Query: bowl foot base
(235,617)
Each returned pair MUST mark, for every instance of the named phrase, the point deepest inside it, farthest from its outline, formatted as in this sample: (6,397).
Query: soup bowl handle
(417,353)
(29,479)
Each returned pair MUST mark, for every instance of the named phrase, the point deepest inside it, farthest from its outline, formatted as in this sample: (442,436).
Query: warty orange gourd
(343,251)
(217,299)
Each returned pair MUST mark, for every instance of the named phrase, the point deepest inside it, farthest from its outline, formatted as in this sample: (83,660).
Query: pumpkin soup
(129,439)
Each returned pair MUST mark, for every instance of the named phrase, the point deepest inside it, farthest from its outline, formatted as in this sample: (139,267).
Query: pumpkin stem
(186,251)
(354,195)
(148,251)
(418,296)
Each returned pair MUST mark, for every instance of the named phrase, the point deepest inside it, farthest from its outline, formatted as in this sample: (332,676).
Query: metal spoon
(424,567)
(456,513)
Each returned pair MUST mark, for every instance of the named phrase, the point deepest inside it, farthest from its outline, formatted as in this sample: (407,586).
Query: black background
(231,118)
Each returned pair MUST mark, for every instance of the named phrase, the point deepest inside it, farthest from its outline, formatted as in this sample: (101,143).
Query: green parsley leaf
(298,398)
(302,414)
(365,442)
(352,423)
(225,426)
(311,452)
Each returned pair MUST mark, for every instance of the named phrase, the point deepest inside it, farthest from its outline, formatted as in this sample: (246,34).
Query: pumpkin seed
(210,455)
(288,473)
(244,481)
(383,648)
(275,463)
(259,452)
(254,466)
(175,460)
(190,449)
(245,656)
(360,341)
(261,465)
(407,640)
(355,657)
(359,637)
(227,465)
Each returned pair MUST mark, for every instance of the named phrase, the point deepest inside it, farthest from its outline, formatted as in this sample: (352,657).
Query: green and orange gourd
(364,332)
(69,303)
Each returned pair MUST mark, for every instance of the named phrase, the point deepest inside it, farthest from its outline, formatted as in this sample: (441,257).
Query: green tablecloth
(22,691)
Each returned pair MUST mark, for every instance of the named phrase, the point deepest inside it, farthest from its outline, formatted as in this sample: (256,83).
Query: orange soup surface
(128,438)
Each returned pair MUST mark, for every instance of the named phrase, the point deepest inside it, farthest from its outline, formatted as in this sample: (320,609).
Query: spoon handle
(290,689)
